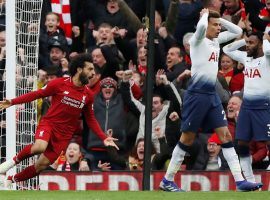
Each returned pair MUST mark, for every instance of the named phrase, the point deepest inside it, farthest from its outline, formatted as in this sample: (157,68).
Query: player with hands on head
(202,107)
(254,117)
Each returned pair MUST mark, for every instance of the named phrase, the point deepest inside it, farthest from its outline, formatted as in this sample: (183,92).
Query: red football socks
(23,154)
(26,174)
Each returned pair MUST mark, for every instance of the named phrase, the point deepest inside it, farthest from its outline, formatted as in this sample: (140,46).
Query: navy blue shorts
(202,111)
(253,124)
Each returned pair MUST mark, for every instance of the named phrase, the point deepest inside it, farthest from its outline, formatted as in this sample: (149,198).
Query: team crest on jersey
(83,99)
(41,133)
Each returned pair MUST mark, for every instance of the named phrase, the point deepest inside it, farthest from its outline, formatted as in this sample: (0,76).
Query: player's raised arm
(232,51)
(202,25)
(233,31)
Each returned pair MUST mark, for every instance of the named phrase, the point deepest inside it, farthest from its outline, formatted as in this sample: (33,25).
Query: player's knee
(185,147)
(187,138)
(243,150)
(40,167)
(224,136)
(227,138)
(38,149)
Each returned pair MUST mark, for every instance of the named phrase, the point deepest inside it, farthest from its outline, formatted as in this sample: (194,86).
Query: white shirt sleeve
(201,28)
(266,48)
(232,51)
(233,31)
(266,51)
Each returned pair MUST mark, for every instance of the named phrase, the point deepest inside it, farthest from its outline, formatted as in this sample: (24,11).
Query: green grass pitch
(122,195)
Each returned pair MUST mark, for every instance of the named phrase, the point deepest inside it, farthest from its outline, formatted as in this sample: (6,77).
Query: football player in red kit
(70,98)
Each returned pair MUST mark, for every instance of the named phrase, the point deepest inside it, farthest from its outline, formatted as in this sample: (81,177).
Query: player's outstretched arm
(5,104)
(109,141)
(232,51)
(48,90)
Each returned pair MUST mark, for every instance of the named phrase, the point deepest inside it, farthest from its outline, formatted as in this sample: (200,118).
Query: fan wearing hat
(110,113)
(108,87)
(58,52)
(214,151)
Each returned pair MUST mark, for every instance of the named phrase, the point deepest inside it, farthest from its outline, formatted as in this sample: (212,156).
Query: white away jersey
(257,74)
(204,54)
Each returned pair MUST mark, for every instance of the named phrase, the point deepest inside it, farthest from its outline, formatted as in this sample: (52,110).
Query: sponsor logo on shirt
(73,102)
(213,57)
(252,73)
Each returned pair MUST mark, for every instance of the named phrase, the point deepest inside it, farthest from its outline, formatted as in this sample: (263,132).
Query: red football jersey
(68,102)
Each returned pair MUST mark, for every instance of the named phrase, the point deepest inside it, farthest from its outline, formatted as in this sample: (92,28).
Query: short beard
(83,79)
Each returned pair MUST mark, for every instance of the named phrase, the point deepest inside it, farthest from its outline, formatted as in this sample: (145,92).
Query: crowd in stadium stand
(114,34)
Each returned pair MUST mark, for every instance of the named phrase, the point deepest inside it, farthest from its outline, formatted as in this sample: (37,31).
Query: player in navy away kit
(254,118)
(70,98)
(202,107)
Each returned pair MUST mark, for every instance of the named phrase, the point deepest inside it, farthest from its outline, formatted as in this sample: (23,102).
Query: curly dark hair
(79,62)
(258,34)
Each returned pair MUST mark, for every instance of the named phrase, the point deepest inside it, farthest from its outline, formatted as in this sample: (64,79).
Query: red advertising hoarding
(125,180)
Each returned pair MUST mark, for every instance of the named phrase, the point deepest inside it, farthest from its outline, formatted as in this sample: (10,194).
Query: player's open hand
(5,104)
(109,141)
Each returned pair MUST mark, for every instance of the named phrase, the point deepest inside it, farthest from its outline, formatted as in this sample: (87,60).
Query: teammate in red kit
(70,98)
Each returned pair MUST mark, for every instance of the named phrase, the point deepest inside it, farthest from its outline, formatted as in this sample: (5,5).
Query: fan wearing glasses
(110,113)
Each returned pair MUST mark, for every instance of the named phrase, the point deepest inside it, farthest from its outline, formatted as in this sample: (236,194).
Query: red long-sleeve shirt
(68,102)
